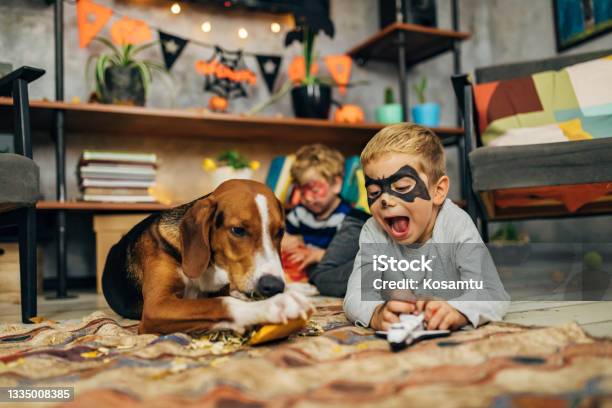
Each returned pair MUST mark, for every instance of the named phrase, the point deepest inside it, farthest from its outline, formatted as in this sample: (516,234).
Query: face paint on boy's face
(386,185)
(314,190)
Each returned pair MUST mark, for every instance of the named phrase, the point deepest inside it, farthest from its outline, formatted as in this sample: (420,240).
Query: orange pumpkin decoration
(218,104)
(349,114)
(130,31)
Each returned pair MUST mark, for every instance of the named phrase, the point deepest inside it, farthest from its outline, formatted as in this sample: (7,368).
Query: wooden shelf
(120,207)
(95,206)
(421,42)
(138,121)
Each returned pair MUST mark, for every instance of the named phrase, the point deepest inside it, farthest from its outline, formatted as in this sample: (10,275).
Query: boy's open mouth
(399,226)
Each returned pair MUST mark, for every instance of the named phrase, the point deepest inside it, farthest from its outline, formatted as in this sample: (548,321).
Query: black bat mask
(385,184)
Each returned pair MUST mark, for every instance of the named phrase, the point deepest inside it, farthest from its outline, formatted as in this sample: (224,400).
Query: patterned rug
(499,365)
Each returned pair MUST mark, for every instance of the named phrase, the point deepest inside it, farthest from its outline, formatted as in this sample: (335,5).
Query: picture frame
(579,21)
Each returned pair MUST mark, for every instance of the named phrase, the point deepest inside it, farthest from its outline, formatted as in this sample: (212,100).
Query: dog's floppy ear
(195,231)
(281,209)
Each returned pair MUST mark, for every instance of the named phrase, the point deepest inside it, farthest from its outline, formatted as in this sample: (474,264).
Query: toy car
(409,330)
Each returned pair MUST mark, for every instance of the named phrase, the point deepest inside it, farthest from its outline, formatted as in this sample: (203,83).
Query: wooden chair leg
(27,262)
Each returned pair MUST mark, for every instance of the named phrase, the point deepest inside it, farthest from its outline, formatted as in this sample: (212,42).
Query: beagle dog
(197,267)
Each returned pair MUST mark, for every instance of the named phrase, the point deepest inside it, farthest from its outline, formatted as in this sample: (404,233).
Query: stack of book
(117,177)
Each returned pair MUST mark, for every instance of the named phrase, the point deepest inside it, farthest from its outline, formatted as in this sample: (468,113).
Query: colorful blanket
(496,365)
(574,103)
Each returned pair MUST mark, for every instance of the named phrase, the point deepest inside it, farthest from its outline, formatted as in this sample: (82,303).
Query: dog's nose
(269,285)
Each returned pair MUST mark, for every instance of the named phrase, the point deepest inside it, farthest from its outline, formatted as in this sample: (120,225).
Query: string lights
(206,27)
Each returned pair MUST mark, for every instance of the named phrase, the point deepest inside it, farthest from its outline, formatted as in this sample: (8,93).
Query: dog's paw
(276,310)
(286,306)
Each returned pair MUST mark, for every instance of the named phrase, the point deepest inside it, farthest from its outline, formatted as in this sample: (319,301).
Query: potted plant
(425,113)
(230,164)
(120,78)
(312,97)
(311,94)
(391,112)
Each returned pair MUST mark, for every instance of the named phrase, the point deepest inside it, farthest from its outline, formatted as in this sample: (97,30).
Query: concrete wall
(502,31)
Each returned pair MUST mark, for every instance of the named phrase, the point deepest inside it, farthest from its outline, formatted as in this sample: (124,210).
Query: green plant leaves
(100,69)
(233,159)
(389,96)
(122,56)
(419,89)
(109,44)
(145,73)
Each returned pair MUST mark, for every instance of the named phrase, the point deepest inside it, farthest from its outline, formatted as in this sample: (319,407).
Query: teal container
(389,113)
(427,114)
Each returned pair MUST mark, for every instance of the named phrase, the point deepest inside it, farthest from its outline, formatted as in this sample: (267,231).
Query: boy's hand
(439,315)
(313,255)
(388,313)
(291,242)
(306,256)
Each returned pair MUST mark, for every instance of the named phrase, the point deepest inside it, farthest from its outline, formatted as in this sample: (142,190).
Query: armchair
(19,178)
(530,177)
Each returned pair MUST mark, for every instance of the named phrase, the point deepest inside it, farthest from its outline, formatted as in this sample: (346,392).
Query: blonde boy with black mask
(405,178)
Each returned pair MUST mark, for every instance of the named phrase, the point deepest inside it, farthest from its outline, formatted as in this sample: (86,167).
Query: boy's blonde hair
(328,162)
(412,139)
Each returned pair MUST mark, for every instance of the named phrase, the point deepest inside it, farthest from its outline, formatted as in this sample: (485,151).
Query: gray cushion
(547,164)
(19,178)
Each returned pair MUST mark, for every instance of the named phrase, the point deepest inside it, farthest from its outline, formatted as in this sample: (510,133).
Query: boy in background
(317,171)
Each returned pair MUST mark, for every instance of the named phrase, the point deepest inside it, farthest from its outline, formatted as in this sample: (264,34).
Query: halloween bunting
(297,69)
(172,47)
(339,67)
(226,73)
(91,18)
(130,31)
(269,66)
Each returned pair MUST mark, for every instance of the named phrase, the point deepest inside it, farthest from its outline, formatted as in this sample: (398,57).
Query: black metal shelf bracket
(60,154)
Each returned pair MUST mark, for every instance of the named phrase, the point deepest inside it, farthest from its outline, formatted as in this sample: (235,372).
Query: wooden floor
(594,317)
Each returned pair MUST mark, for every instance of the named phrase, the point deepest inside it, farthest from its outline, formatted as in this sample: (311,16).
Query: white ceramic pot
(221,174)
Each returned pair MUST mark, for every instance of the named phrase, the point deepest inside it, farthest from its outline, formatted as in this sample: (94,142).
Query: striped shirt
(300,221)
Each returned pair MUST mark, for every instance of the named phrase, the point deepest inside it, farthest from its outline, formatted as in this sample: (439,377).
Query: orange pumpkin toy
(349,114)
(218,104)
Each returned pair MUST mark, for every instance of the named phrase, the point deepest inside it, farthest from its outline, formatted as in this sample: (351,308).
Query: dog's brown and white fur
(196,267)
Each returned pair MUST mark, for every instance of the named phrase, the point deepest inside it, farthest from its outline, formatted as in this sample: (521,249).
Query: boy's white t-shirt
(466,257)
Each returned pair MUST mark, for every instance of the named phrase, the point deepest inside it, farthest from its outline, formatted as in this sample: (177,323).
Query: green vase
(389,113)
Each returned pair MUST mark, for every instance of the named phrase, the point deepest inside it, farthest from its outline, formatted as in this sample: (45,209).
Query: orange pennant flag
(339,67)
(130,31)
(91,18)
(297,69)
